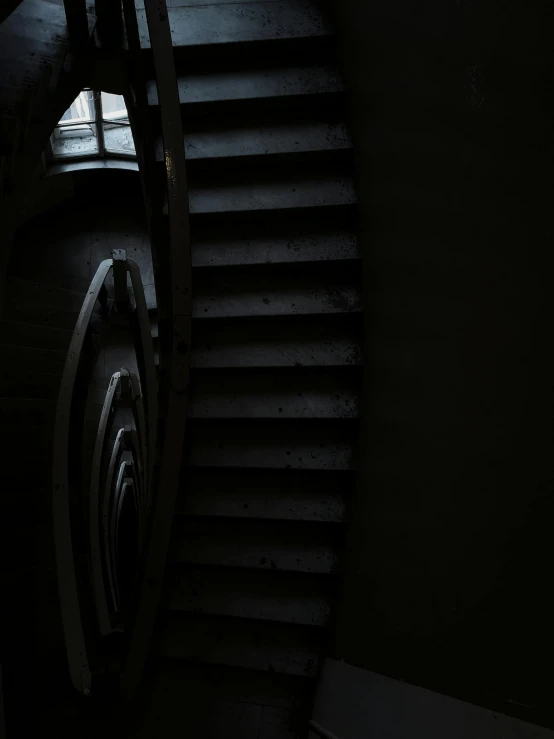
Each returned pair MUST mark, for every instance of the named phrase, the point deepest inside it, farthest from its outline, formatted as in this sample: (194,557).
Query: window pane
(118,138)
(81,109)
(113,106)
(75,141)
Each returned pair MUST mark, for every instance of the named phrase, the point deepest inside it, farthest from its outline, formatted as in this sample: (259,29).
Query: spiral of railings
(101,519)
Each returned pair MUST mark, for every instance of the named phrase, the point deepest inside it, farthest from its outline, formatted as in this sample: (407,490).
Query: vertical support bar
(77,21)
(2,720)
(175,304)
(99,118)
(109,22)
(119,257)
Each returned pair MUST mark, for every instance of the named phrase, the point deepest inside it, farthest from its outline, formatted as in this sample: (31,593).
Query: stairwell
(268,464)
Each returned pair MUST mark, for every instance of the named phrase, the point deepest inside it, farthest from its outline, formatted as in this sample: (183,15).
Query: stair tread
(277,395)
(241,22)
(287,341)
(247,141)
(272,194)
(288,597)
(258,84)
(286,444)
(207,685)
(277,495)
(262,295)
(282,545)
(227,249)
(275,647)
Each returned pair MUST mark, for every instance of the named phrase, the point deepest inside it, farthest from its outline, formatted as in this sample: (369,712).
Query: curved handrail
(129,385)
(115,461)
(94,507)
(75,638)
(115,508)
(79,667)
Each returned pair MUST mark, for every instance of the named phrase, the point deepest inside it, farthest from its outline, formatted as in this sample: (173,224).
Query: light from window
(75,134)
(95,124)
(117,131)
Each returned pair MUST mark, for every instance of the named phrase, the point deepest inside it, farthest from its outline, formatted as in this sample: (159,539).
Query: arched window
(95,125)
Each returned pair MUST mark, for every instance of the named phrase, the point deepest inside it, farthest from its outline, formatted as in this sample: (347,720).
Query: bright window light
(117,131)
(94,125)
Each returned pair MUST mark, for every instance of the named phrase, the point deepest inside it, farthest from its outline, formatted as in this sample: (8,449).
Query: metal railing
(170,242)
(121,473)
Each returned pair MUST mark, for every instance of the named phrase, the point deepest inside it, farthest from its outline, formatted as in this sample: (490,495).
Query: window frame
(76,126)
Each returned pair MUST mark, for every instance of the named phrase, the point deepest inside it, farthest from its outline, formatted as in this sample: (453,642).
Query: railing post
(77,21)
(120,279)
(109,22)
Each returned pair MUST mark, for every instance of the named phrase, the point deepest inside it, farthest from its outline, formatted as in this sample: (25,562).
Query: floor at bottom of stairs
(220,702)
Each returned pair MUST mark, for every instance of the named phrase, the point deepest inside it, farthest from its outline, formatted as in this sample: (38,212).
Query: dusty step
(17,333)
(319,191)
(274,395)
(202,25)
(326,340)
(278,495)
(223,701)
(282,648)
(227,142)
(274,444)
(226,250)
(205,94)
(290,546)
(287,597)
(266,294)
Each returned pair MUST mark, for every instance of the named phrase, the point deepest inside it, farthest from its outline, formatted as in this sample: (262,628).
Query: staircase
(268,461)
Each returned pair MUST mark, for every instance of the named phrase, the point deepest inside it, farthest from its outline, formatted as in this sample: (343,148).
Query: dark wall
(74,221)
(450,564)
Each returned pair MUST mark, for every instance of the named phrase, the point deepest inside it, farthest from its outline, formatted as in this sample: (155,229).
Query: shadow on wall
(446,583)
(79,219)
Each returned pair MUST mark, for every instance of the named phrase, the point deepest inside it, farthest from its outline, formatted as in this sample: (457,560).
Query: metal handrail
(109,549)
(63,495)
(94,505)
(172,260)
